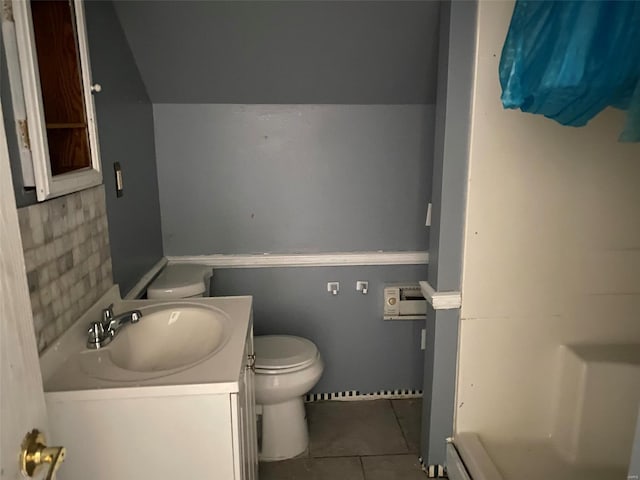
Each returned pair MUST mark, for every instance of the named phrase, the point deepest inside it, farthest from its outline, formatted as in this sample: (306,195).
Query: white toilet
(181,280)
(286,368)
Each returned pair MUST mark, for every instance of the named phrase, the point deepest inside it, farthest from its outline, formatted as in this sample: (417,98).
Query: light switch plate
(117,170)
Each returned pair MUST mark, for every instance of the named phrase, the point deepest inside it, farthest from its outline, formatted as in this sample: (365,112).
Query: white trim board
(440,300)
(332,259)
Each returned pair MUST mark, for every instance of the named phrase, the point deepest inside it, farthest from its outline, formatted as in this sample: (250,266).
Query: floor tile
(354,428)
(339,468)
(409,413)
(392,467)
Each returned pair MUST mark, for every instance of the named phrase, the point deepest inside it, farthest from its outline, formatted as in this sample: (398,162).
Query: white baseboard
(331,259)
(434,471)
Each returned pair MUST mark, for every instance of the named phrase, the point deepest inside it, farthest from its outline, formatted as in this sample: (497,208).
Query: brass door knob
(35,453)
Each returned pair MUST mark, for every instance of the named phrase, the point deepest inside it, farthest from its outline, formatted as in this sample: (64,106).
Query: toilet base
(284,430)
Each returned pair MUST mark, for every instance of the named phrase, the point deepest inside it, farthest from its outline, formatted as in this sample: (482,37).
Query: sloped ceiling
(339,52)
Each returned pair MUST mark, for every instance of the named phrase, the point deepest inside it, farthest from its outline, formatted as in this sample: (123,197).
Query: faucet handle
(96,332)
(107,313)
(98,336)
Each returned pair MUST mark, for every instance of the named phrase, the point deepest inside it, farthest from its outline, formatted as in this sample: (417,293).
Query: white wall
(552,249)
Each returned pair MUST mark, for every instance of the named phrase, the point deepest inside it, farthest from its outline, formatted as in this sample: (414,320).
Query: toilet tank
(181,280)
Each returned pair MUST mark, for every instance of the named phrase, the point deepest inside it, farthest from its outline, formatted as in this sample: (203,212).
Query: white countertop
(65,380)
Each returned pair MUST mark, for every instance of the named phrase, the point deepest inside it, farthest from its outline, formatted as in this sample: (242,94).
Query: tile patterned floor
(366,440)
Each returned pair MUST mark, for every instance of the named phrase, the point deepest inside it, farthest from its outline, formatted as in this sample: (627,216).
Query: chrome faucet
(101,333)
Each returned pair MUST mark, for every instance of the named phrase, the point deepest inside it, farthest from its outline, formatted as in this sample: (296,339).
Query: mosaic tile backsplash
(67,257)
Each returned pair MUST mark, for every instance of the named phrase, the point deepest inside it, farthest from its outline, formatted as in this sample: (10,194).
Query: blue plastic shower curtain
(569,60)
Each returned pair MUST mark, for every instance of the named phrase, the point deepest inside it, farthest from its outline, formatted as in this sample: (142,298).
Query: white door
(22,406)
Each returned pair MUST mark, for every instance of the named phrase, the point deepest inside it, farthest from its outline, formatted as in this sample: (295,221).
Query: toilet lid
(275,352)
(180,281)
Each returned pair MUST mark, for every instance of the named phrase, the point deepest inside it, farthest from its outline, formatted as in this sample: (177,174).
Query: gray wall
(305,178)
(450,164)
(125,123)
(125,130)
(284,52)
(293,175)
(361,351)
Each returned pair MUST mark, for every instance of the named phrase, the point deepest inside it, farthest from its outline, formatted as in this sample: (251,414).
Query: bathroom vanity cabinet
(196,423)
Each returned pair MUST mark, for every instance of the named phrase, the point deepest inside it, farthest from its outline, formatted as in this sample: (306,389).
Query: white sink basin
(169,337)
(172,337)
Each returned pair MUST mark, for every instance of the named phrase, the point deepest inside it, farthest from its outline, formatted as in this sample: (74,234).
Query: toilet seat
(277,354)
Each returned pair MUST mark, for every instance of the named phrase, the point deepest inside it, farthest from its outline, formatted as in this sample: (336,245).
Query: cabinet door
(53,81)
(240,427)
(247,439)
(251,434)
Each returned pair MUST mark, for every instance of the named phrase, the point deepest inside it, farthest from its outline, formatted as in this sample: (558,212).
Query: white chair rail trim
(331,259)
(440,300)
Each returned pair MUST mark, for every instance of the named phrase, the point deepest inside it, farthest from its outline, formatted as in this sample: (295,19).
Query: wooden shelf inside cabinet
(58,126)
(68,147)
